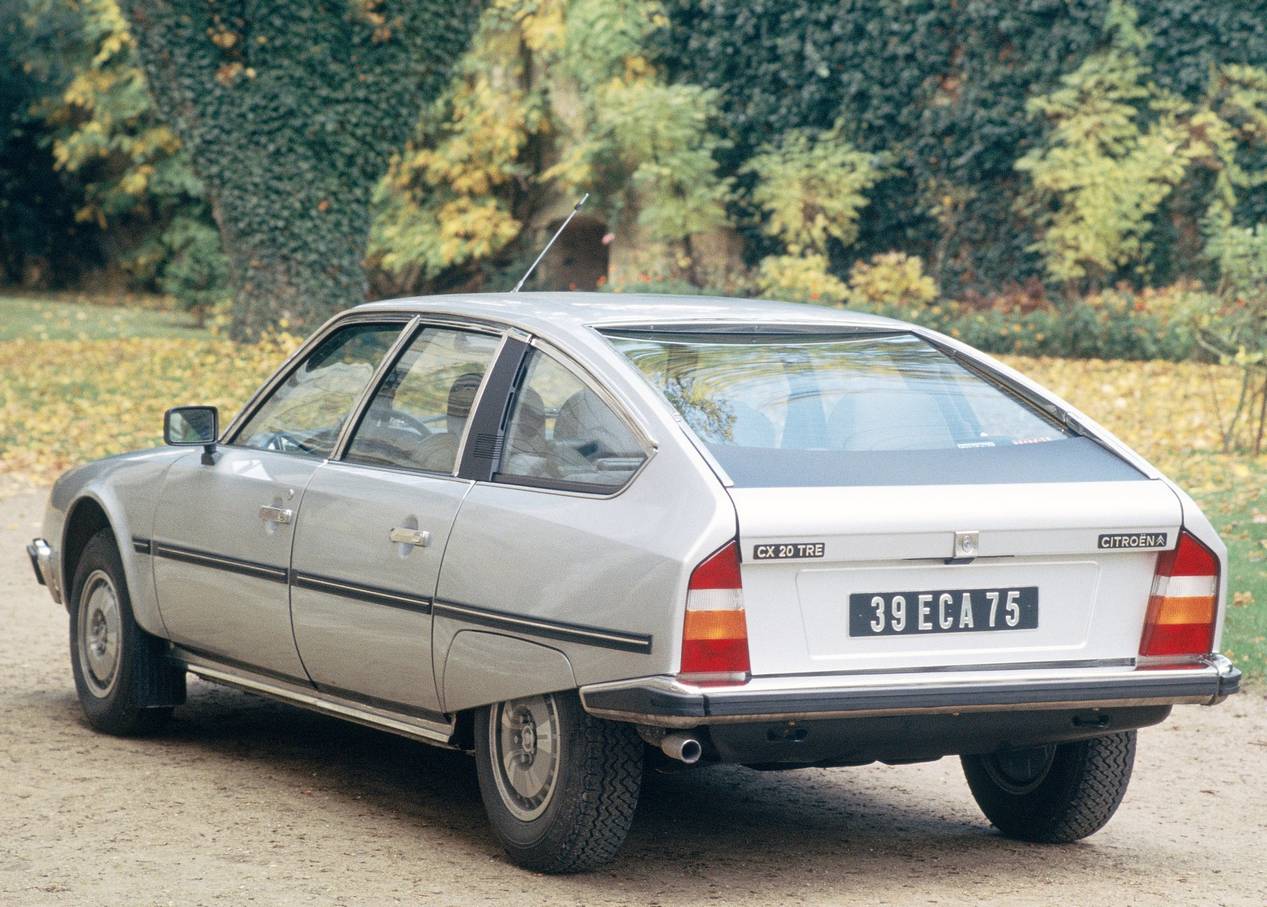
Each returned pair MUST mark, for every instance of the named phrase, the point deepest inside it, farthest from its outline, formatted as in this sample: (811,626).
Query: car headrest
(528,428)
(584,420)
(461,397)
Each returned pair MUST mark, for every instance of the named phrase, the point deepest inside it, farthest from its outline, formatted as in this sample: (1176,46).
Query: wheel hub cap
(100,633)
(524,736)
(1021,771)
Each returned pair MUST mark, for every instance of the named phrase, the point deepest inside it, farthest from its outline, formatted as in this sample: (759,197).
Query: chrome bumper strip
(666,702)
(44,564)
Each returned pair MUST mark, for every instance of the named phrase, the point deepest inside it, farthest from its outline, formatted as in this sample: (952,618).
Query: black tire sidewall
(120,711)
(1076,798)
(586,821)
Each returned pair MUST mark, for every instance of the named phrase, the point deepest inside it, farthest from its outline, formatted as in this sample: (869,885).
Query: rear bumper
(42,562)
(664,701)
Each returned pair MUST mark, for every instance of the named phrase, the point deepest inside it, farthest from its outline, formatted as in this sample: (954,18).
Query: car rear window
(814,409)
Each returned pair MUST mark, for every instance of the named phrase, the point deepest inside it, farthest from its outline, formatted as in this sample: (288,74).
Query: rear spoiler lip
(664,701)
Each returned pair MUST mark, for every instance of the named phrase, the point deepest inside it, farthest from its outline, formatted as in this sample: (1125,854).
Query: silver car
(575,534)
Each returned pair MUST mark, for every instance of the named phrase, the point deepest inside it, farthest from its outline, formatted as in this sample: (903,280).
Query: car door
(375,523)
(572,538)
(222,531)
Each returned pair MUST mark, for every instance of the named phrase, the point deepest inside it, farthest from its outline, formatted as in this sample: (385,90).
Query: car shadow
(691,826)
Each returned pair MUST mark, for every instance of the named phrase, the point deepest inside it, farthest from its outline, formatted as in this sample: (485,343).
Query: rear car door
(898,510)
(376,521)
(223,530)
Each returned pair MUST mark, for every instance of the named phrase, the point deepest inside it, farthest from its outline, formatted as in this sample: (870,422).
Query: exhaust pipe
(682,747)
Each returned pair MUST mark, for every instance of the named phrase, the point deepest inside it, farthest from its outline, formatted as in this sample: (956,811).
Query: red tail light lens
(1183,605)
(715,635)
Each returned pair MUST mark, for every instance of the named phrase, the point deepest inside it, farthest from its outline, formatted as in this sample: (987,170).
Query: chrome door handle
(419,538)
(281,515)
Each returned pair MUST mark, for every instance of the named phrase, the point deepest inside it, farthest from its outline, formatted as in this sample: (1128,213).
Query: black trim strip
(140,545)
(386,705)
(506,478)
(664,703)
(486,429)
(373,595)
(219,562)
(579,633)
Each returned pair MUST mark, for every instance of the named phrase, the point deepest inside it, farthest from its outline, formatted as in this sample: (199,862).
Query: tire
(566,814)
(119,668)
(1054,794)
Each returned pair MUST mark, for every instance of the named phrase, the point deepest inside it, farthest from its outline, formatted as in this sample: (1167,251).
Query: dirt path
(248,802)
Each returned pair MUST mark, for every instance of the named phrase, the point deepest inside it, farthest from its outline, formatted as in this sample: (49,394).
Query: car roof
(550,314)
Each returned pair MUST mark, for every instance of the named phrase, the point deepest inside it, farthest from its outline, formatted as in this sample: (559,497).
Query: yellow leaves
(541,23)
(1242,599)
(223,38)
(800,278)
(64,402)
(891,277)
(135,180)
(474,227)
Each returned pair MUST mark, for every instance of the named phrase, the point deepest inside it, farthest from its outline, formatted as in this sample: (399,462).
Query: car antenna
(563,226)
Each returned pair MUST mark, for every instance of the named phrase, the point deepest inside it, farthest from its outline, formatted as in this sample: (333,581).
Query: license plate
(942,611)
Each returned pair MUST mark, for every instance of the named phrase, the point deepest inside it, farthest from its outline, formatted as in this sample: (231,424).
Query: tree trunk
(290,112)
(294,285)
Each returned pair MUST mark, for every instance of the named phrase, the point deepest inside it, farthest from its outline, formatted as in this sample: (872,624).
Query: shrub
(891,278)
(800,278)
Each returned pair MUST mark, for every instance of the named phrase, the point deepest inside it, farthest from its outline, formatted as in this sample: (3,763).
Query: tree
(553,99)
(139,189)
(290,114)
(41,242)
(1118,147)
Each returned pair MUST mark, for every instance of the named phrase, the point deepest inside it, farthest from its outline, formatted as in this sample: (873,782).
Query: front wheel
(1053,794)
(560,786)
(119,669)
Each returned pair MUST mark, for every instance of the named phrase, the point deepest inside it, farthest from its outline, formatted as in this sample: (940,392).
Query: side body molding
(485,667)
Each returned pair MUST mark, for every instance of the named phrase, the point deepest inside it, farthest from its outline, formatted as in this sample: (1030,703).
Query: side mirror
(193,426)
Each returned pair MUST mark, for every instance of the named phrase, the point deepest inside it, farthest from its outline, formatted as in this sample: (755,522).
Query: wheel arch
(87,515)
(469,677)
(85,519)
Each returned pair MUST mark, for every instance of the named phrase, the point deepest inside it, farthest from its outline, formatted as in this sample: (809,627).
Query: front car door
(375,523)
(223,530)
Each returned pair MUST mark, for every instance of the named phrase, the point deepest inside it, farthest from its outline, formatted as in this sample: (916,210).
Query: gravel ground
(246,801)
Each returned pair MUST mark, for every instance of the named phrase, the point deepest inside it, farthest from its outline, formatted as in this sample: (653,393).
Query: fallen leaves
(64,402)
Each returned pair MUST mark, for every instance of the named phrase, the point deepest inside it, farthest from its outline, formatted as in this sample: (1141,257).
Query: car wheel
(119,668)
(1053,794)
(560,786)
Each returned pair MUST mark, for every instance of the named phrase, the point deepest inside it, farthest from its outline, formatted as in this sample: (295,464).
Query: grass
(80,381)
(45,317)
(1242,522)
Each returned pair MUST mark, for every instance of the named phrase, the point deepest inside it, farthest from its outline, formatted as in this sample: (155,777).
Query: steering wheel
(282,442)
(392,418)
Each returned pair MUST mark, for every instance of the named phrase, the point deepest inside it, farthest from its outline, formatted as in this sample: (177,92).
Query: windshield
(781,409)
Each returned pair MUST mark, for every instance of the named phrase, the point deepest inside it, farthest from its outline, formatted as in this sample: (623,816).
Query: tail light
(715,637)
(1184,602)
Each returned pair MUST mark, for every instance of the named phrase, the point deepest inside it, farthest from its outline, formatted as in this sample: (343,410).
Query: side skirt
(436,732)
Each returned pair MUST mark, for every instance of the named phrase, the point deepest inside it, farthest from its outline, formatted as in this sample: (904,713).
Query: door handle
(281,515)
(419,538)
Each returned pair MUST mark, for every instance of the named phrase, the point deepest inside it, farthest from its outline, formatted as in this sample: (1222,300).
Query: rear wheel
(119,668)
(560,786)
(1053,794)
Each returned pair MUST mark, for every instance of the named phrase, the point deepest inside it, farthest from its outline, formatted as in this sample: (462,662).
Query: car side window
(306,412)
(562,434)
(420,410)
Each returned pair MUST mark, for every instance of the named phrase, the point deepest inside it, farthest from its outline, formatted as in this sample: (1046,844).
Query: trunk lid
(1062,570)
